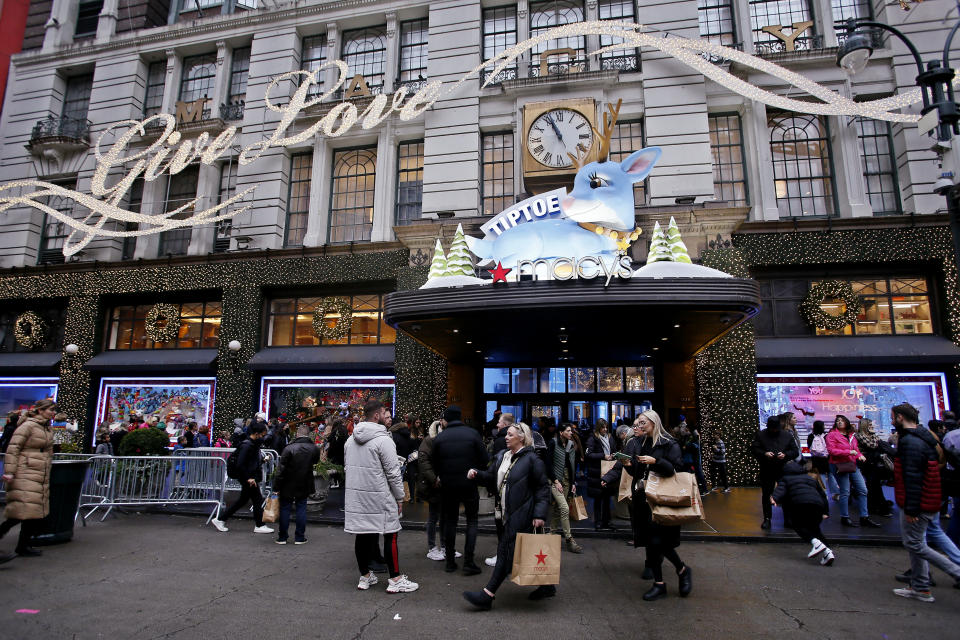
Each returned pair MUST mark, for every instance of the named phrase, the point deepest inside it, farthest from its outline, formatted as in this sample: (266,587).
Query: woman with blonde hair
(872,449)
(653,450)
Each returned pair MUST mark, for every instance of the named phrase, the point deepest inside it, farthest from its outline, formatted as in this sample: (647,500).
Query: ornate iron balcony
(71,129)
(232,111)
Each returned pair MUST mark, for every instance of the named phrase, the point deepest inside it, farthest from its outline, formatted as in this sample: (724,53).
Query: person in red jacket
(844,457)
(916,476)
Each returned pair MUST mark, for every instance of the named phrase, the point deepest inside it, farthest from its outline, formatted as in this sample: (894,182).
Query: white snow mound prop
(666,269)
(454,281)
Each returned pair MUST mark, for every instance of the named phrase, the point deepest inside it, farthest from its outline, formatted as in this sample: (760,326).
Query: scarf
(605,443)
(868,439)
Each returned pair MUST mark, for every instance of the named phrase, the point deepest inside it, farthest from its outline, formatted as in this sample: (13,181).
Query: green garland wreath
(30,330)
(814,314)
(168,331)
(341,328)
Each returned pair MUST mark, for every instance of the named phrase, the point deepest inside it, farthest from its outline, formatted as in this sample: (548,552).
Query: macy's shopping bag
(675,515)
(536,559)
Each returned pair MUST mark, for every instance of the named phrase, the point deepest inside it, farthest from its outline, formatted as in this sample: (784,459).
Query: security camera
(943,184)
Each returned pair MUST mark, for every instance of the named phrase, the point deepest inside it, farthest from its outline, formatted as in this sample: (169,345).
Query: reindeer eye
(596,182)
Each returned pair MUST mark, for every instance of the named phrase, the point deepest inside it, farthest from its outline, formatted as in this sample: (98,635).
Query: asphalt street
(166,576)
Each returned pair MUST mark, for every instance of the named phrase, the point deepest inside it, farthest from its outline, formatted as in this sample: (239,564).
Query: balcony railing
(232,111)
(629,62)
(509,73)
(412,85)
(72,129)
(777,46)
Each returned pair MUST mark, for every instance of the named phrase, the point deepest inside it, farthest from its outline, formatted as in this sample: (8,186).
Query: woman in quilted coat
(26,472)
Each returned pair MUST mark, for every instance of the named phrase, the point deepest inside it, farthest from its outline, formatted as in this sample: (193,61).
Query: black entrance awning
(29,362)
(833,351)
(152,361)
(669,318)
(360,357)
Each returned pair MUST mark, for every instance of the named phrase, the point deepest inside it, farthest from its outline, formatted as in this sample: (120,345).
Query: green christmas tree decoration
(659,246)
(678,249)
(438,266)
(459,262)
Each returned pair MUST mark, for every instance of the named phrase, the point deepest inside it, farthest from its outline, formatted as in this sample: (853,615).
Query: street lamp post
(935,80)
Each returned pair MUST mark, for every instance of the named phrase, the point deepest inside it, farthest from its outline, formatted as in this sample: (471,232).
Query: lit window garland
(29,330)
(170,328)
(815,316)
(341,328)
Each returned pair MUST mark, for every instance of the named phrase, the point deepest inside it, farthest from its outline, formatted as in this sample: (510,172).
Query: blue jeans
(859,490)
(301,529)
(921,555)
(937,538)
(954,529)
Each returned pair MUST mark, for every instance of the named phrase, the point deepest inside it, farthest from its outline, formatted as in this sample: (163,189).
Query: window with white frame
(548,15)
(198,79)
(365,52)
(772,13)
(802,164)
(351,194)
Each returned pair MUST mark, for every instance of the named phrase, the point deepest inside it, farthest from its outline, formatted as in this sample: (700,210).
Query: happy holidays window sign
(170,154)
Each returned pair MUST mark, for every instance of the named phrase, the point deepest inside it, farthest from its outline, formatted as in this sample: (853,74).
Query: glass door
(538,411)
(620,411)
(580,412)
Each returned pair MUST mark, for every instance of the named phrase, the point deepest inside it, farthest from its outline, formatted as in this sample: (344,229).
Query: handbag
(671,491)
(846,467)
(536,559)
(271,508)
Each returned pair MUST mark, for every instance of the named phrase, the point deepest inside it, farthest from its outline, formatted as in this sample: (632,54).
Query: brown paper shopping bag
(626,487)
(536,559)
(271,508)
(672,516)
(671,491)
(578,510)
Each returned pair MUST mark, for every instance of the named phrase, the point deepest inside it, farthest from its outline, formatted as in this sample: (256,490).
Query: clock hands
(556,130)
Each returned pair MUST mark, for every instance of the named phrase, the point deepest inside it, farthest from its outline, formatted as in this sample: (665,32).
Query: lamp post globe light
(935,80)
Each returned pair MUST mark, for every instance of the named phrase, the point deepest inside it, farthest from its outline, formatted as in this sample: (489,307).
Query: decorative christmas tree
(458,262)
(678,250)
(659,247)
(438,266)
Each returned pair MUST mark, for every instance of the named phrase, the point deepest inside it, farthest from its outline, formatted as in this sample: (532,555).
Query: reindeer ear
(639,163)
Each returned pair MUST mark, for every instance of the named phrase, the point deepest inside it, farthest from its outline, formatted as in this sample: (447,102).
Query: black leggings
(806,519)
(601,509)
(655,556)
(26,530)
(247,494)
(365,547)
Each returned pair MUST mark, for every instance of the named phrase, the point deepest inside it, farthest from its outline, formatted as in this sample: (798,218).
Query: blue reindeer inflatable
(596,217)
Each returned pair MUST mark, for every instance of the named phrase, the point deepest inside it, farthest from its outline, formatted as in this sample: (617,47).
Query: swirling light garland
(684,50)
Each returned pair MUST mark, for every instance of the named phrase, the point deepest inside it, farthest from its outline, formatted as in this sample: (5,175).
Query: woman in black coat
(653,450)
(600,446)
(518,480)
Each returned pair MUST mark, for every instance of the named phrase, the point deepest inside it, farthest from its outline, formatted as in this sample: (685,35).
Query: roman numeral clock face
(556,135)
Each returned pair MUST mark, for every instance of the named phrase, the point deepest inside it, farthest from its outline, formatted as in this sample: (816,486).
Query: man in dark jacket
(500,432)
(456,450)
(248,475)
(294,482)
(772,447)
(916,476)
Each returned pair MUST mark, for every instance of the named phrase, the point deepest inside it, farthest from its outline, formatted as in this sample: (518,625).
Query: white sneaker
(816,548)
(263,529)
(435,554)
(401,584)
(908,592)
(219,525)
(456,554)
(367,581)
(491,562)
(827,558)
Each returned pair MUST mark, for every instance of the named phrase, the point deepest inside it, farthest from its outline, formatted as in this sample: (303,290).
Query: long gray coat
(374,484)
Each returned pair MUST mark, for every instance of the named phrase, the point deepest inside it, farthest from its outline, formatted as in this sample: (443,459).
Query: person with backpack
(244,465)
(294,481)
(807,502)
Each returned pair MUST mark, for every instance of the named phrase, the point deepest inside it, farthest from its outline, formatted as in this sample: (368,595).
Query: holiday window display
(174,401)
(18,394)
(297,397)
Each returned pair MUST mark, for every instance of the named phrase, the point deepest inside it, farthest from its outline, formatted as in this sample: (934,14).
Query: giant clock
(554,133)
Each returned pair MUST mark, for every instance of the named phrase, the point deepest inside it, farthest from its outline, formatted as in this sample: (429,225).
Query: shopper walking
(294,482)
(653,450)
(26,473)
(845,455)
(872,467)
(917,489)
(519,482)
(456,450)
(248,473)
(429,490)
(561,472)
(373,501)
(718,467)
(600,446)
(504,420)
(807,501)
(772,447)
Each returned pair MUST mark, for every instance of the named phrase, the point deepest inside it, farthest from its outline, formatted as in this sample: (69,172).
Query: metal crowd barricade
(121,481)
(270,461)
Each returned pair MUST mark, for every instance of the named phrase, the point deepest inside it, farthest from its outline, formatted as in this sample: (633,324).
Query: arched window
(351,195)
(547,15)
(802,165)
(365,52)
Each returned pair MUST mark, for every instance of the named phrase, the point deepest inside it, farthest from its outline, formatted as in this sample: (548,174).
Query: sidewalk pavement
(167,576)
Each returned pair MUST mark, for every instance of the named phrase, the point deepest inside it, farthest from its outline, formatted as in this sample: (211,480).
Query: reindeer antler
(609,119)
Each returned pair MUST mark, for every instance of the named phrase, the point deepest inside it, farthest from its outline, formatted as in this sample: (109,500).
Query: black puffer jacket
(401,437)
(796,487)
(499,441)
(456,450)
(427,478)
(295,470)
(595,455)
(248,460)
(916,472)
(776,441)
(528,490)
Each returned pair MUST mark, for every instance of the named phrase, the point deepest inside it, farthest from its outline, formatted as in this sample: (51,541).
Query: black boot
(28,551)
(847,522)
(647,574)
(686,582)
(867,522)
(470,568)
(657,591)
(765,525)
(543,591)
(479,599)
(451,566)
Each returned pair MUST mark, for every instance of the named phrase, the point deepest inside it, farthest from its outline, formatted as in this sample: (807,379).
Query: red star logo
(499,273)
(541,557)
